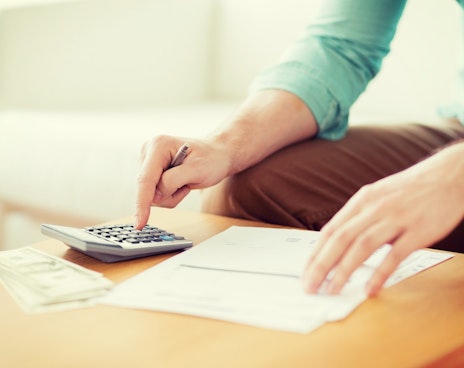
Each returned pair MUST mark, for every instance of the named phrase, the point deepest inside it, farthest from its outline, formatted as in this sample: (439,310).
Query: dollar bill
(40,281)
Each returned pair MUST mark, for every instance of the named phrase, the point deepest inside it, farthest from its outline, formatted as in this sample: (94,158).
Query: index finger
(337,237)
(147,181)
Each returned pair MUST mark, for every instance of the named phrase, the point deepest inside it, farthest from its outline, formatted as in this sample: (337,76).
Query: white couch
(84,83)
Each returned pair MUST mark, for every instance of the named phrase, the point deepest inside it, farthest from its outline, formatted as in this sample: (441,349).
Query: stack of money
(40,282)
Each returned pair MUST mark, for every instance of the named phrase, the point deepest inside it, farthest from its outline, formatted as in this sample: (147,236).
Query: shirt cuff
(295,78)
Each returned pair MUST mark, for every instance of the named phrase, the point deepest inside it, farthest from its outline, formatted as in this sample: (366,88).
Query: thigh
(305,184)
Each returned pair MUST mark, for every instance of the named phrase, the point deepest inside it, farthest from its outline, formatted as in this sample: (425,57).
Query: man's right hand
(158,185)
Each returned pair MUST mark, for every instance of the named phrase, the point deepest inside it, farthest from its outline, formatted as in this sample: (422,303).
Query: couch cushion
(85,164)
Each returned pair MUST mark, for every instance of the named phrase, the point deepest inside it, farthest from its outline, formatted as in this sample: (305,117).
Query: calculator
(118,242)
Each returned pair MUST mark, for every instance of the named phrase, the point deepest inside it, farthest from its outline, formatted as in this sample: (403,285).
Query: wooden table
(418,322)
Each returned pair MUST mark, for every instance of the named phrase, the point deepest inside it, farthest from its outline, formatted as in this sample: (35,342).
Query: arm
(334,60)
(309,92)
(264,123)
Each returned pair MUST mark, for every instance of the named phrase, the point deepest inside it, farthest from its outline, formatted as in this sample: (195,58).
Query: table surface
(418,322)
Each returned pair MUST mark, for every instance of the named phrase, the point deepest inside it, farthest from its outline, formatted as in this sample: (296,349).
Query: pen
(180,155)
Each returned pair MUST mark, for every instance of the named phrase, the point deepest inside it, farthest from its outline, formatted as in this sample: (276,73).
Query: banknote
(39,281)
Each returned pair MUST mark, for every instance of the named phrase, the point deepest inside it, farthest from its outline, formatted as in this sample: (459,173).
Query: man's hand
(264,123)
(410,210)
(205,165)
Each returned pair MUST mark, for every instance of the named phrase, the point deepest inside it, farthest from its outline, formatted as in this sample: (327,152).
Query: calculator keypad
(127,234)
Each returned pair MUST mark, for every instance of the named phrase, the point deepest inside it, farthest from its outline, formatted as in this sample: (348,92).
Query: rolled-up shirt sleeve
(340,51)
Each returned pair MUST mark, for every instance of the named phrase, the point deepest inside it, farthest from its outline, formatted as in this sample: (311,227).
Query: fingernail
(158,195)
(371,290)
(308,284)
(332,288)
(136,221)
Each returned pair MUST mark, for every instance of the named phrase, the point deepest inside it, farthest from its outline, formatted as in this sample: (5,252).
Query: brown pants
(305,184)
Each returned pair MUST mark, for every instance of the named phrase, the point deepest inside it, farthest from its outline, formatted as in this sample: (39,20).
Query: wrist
(266,122)
(455,152)
(451,160)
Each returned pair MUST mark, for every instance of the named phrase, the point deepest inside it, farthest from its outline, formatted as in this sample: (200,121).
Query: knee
(236,196)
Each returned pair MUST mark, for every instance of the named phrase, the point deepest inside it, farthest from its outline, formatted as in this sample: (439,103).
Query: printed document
(251,275)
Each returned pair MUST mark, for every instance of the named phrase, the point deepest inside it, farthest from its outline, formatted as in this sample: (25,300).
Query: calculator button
(133,241)
(125,233)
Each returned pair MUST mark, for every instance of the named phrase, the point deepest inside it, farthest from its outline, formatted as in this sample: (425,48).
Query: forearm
(266,122)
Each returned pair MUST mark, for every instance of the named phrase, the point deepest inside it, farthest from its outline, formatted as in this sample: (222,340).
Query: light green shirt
(338,54)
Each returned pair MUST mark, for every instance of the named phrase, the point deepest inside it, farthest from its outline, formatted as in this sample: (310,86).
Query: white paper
(250,275)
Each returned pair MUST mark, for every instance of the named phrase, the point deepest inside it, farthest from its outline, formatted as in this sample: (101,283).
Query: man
(288,157)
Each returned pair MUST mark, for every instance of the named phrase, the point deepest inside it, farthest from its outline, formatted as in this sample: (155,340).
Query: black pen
(180,155)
